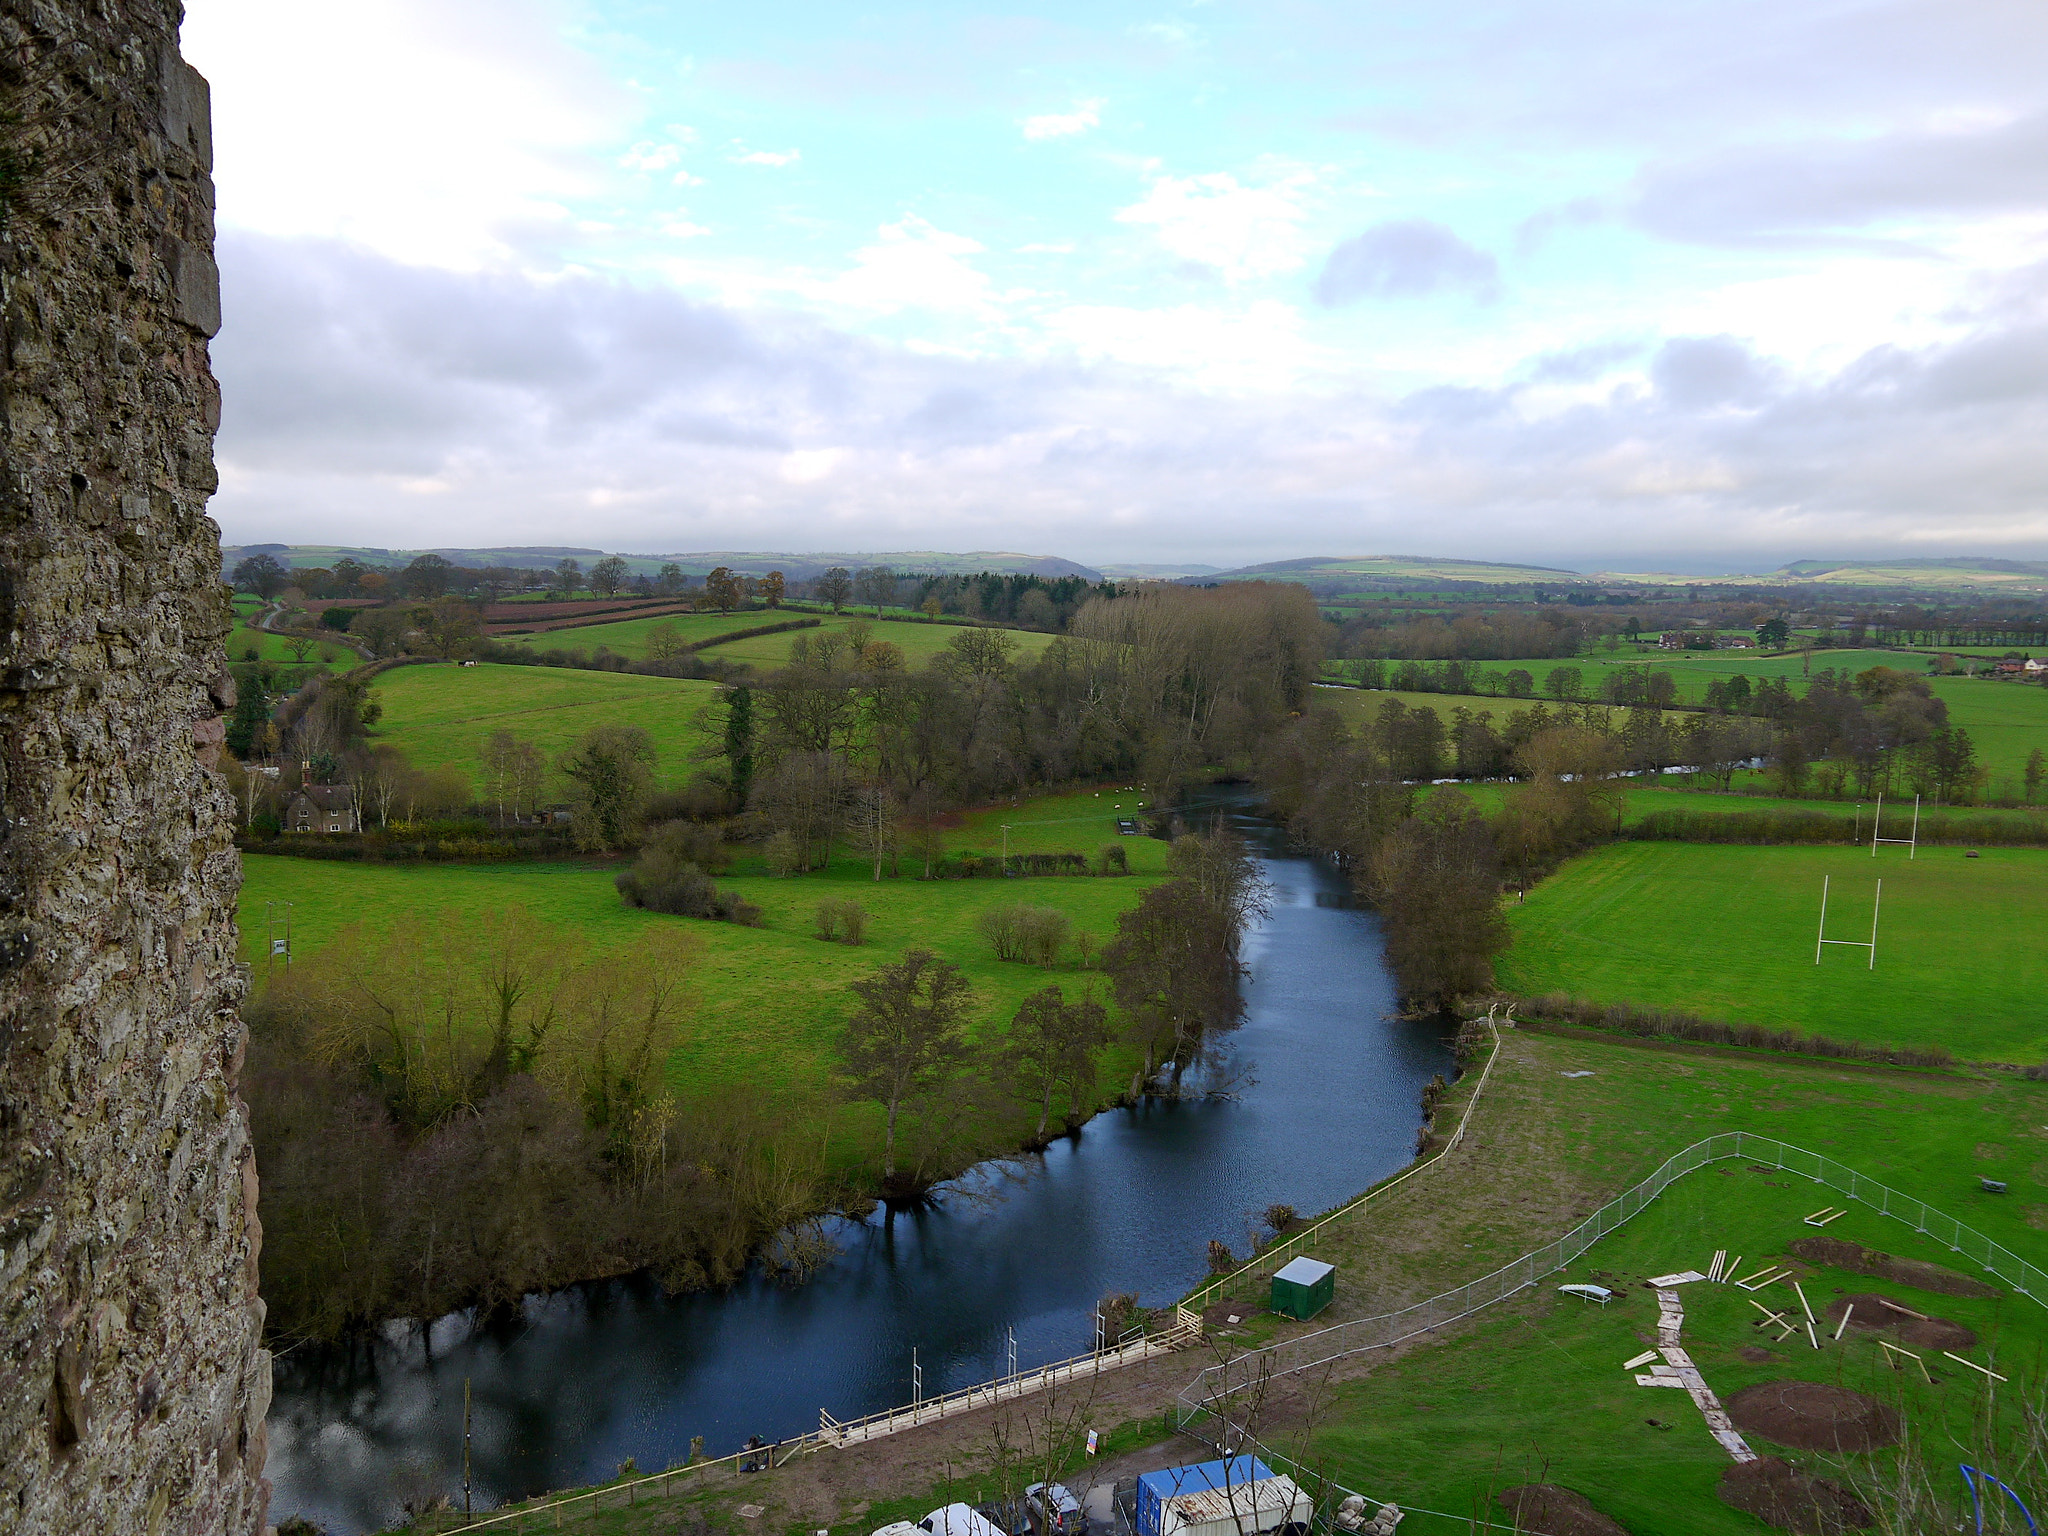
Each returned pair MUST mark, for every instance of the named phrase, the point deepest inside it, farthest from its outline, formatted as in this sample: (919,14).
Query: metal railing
(1186,1326)
(546,1512)
(842,1432)
(1220,1382)
(1277,1253)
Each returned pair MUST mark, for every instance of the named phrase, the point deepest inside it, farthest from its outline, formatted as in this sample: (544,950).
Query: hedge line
(1665,1024)
(388,848)
(1782,826)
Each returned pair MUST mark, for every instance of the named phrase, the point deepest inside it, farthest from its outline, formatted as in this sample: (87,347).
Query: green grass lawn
(440,715)
(2006,720)
(919,641)
(243,637)
(769,1000)
(1532,1389)
(1728,932)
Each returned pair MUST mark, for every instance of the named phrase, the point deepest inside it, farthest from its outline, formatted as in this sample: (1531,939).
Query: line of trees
(466,1111)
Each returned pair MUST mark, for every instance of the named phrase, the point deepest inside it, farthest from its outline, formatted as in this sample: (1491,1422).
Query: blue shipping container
(1154,1488)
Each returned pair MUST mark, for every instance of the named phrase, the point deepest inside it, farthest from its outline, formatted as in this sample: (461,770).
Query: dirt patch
(1229,1314)
(1779,1494)
(1859,1260)
(1873,1316)
(1812,1417)
(1756,1354)
(1555,1511)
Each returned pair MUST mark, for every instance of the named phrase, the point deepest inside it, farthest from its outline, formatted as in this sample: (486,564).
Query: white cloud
(914,265)
(505,399)
(1255,348)
(777,157)
(647,156)
(1243,232)
(433,130)
(1060,125)
(808,465)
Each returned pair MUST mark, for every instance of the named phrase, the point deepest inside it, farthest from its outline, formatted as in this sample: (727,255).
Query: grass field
(1532,1390)
(440,715)
(1359,704)
(919,641)
(2006,720)
(770,1000)
(1728,932)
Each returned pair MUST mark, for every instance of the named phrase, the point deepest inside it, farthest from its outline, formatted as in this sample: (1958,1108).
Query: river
(588,1377)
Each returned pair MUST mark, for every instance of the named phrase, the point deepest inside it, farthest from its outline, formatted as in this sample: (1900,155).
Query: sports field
(918,641)
(1532,1390)
(440,715)
(769,1000)
(1728,932)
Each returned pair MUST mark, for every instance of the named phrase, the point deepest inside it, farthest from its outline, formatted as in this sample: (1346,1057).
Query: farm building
(1303,1287)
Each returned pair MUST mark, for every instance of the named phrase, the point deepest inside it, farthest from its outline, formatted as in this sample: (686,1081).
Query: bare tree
(835,587)
(1053,1044)
(905,1038)
(872,819)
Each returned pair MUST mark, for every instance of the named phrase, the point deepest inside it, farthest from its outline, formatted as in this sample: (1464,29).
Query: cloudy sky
(1692,284)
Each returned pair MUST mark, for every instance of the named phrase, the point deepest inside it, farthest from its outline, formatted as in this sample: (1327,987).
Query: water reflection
(584,1379)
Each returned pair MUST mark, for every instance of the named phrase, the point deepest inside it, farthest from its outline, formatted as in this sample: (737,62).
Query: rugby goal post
(1823,940)
(1912,842)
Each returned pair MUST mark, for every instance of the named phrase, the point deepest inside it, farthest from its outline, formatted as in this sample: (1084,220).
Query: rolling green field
(1693,670)
(2005,719)
(769,1000)
(440,715)
(628,637)
(1728,932)
(1360,704)
(918,641)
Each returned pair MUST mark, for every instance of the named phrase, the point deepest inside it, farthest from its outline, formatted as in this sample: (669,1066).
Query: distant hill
(1126,571)
(1929,574)
(797,567)
(1374,572)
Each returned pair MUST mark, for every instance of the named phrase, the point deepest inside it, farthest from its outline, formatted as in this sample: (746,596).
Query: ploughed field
(1727,932)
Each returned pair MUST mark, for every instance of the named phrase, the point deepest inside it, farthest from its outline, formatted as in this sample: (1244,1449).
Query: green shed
(1303,1287)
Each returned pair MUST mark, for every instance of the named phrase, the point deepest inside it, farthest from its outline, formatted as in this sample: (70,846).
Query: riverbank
(1564,1125)
(1023,1250)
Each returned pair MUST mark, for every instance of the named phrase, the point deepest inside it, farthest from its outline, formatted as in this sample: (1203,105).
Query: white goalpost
(1823,940)
(1912,843)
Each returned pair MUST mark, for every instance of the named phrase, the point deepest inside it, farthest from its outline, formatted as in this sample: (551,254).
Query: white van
(958,1520)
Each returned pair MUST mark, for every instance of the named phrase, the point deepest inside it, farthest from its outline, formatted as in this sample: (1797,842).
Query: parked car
(900,1528)
(1055,1511)
(957,1520)
(1012,1517)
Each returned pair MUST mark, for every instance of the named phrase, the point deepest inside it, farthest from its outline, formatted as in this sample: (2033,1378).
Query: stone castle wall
(132,1381)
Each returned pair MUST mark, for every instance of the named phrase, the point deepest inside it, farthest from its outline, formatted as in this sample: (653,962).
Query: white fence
(1214,1386)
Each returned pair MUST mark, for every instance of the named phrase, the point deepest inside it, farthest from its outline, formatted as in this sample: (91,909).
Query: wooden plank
(1973,1365)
